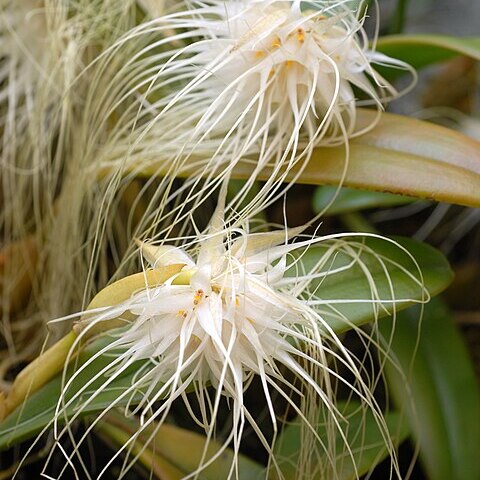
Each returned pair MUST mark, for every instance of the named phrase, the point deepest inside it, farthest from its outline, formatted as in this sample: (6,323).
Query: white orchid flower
(244,84)
(239,305)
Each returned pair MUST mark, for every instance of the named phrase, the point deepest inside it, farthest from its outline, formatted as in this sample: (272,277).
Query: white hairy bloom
(44,47)
(239,306)
(260,82)
(283,71)
(265,78)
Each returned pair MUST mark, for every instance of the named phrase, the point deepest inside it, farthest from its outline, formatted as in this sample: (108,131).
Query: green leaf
(351,200)
(363,435)
(400,155)
(182,449)
(38,410)
(423,50)
(437,389)
(347,292)
(343,287)
(156,464)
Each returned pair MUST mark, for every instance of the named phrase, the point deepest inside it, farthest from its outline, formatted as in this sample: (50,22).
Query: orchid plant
(152,139)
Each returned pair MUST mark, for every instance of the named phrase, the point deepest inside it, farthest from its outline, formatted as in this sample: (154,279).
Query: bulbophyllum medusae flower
(240,305)
(265,81)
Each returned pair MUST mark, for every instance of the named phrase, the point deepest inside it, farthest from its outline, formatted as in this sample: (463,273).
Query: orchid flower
(262,82)
(237,305)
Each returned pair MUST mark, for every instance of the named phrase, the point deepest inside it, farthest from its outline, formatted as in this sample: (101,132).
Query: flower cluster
(213,87)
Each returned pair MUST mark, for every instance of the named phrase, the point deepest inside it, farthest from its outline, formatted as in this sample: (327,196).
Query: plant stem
(37,373)
(397,23)
(356,222)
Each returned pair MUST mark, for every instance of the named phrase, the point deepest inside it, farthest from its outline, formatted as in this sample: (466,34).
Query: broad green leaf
(351,200)
(337,290)
(347,292)
(422,50)
(364,438)
(437,389)
(182,449)
(400,155)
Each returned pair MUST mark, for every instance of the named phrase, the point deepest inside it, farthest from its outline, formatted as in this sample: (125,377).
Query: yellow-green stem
(37,374)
